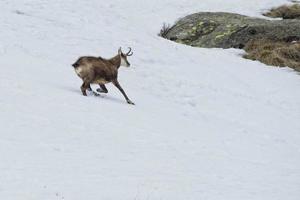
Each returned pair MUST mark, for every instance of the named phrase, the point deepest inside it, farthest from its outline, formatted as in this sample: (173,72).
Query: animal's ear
(119,51)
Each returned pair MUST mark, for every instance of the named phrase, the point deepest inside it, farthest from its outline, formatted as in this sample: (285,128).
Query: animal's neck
(116,61)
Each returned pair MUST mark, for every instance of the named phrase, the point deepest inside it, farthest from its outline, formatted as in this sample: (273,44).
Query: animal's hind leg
(84,87)
(103,89)
(89,88)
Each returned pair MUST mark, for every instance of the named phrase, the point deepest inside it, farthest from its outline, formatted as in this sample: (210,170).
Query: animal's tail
(75,65)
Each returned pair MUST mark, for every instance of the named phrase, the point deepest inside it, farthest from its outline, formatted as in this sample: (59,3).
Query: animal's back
(85,60)
(86,67)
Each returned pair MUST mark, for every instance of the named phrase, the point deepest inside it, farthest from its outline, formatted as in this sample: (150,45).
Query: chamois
(100,71)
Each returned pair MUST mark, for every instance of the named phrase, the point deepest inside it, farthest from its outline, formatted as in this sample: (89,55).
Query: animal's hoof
(96,94)
(130,102)
(100,90)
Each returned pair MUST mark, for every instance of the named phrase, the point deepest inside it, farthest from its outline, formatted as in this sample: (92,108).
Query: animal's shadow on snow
(101,96)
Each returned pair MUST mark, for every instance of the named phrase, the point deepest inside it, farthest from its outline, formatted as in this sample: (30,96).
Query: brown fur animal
(100,71)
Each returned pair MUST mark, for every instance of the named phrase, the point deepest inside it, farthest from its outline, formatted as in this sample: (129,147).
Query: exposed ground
(273,42)
(279,54)
(285,12)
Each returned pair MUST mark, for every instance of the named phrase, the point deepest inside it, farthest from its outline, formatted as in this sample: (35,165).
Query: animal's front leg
(117,84)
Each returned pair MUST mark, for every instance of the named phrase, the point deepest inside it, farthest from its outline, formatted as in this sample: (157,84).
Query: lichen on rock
(229,30)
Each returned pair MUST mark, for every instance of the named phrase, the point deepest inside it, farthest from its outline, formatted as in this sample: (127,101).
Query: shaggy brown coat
(98,70)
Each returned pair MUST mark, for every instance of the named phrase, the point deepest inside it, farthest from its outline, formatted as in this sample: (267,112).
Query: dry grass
(165,30)
(285,12)
(279,54)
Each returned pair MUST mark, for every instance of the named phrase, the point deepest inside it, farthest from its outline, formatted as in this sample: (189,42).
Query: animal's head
(123,57)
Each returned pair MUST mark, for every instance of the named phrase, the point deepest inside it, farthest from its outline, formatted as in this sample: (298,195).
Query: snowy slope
(207,124)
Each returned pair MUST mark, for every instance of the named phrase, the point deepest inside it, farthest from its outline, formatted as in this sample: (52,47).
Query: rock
(227,30)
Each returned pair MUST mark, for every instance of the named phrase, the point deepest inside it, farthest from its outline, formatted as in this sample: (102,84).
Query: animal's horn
(129,53)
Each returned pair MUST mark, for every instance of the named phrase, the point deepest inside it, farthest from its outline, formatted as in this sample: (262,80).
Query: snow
(207,123)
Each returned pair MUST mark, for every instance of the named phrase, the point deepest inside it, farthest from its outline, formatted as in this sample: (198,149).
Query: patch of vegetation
(281,54)
(164,30)
(285,12)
